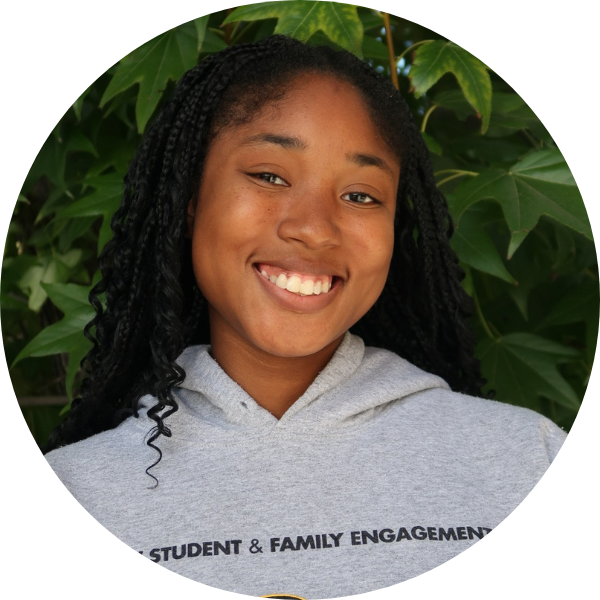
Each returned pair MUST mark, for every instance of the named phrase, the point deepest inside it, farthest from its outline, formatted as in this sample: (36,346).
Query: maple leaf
(540,184)
(301,19)
(521,367)
(167,56)
(434,59)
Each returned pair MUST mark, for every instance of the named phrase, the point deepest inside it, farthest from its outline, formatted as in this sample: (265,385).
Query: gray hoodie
(378,473)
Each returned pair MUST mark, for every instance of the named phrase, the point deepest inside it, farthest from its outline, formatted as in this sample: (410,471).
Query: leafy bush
(522,232)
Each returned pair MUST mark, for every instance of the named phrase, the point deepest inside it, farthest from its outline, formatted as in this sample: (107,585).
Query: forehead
(318,104)
(322,122)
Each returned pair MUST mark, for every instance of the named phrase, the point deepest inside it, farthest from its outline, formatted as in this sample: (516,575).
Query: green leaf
(13,269)
(104,201)
(78,104)
(371,48)
(520,367)
(56,200)
(70,259)
(78,142)
(31,281)
(51,160)
(301,19)
(201,24)
(474,246)
(580,305)
(66,336)
(74,229)
(11,303)
(68,297)
(540,184)
(510,112)
(467,282)
(79,349)
(372,19)
(432,144)
(59,337)
(166,57)
(50,269)
(454,100)
(105,232)
(212,42)
(436,58)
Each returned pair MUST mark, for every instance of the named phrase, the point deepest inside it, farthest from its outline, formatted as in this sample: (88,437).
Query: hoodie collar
(355,385)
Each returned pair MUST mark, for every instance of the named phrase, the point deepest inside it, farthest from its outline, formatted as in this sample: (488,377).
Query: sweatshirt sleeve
(63,465)
(554,438)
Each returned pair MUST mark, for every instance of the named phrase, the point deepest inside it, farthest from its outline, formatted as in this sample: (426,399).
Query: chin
(285,347)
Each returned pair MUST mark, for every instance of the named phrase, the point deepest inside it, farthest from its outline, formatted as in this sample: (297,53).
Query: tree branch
(390,47)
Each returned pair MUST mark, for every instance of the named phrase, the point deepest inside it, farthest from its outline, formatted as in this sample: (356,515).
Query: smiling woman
(283,208)
(282,395)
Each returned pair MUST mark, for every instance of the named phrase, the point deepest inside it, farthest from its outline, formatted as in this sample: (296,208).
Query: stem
(457,173)
(243,31)
(234,32)
(390,47)
(412,48)
(482,320)
(426,117)
(228,28)
(530,138)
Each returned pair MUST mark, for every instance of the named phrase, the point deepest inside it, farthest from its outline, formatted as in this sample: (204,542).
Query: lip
(299,265)
(294,302)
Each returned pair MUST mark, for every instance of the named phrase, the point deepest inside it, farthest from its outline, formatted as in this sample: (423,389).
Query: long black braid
(154,308)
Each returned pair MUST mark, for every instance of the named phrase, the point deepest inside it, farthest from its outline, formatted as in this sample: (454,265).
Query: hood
(357,383)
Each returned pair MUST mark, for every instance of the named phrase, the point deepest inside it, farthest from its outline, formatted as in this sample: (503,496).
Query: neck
(274,382)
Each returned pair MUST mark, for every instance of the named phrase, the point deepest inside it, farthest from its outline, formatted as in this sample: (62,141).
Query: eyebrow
(369,160)
(287,142)
(295,143)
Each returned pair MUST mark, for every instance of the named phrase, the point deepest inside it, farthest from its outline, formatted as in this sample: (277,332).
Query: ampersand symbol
(254,547)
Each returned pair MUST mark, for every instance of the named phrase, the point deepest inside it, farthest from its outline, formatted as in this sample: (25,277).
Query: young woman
(231,427)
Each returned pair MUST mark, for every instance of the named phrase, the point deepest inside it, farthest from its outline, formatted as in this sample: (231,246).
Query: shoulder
(103,456)
(429,403)
(500,425)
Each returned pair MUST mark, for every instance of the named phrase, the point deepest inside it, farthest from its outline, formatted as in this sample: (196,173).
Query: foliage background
(522,231)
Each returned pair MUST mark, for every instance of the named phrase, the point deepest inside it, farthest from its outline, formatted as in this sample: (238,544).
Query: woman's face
(293,230)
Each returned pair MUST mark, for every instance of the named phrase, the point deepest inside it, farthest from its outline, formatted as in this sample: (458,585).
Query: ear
(191,214)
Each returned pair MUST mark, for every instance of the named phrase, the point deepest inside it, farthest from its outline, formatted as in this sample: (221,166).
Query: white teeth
(281,281)
(307,287)
(295,285)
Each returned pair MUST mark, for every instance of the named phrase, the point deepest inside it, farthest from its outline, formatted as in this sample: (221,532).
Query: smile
(301,284)
(296,301)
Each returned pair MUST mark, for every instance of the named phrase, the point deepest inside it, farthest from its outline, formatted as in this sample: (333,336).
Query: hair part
(154,308)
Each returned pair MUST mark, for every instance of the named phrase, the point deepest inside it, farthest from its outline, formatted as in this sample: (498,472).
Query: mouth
(298,291)
(301,284)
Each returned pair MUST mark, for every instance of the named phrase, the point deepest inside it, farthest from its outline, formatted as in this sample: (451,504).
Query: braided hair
(154,308)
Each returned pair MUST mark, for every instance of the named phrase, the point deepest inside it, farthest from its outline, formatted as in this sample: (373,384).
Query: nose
(312,219)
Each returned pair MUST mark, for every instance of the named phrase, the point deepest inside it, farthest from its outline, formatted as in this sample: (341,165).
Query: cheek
(372,250)
(204,269)
(226,228)
(373,246)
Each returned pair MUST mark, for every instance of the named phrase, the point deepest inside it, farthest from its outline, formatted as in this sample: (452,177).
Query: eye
(360,198)
(269,178)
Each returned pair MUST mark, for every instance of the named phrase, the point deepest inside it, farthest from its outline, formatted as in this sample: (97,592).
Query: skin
(296,188)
